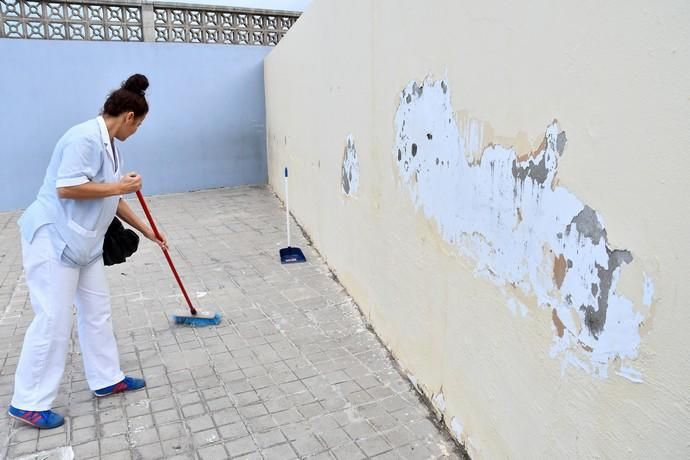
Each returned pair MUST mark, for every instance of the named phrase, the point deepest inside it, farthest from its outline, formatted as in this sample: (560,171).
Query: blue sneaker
(44,419)
(128,384)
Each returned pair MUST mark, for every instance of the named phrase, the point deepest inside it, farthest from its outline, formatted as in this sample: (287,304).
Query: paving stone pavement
(291,372)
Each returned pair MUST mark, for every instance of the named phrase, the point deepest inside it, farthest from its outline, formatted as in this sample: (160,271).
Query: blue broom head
(196,321)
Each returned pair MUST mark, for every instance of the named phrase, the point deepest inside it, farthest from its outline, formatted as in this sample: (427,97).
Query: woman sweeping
(62,242)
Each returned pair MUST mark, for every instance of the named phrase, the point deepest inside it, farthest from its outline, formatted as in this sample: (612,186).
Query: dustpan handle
(287,208)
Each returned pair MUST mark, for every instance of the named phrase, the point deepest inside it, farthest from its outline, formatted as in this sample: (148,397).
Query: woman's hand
(163,242)
(130,183)
(125,213)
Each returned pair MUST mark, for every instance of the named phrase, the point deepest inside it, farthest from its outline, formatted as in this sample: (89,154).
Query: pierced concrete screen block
(350,170)
(70,21)
(507,213)
(220,26)
(113,20)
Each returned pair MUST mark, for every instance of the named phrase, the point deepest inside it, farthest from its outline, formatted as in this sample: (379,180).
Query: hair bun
(137,83)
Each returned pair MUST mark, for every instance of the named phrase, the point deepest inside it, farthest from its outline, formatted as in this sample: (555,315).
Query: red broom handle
(167,256)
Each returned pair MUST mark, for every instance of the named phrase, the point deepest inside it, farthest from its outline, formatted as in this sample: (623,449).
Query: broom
(193,317)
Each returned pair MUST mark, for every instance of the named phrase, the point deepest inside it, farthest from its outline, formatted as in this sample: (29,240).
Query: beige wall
(458,269)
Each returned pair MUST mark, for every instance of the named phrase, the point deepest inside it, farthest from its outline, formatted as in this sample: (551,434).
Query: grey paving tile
(24,434)
(148,452)
(22,448)
(171,431)
(233,431)
(261,424)
(176,446)
(334,438)
(166,416)
(216,452)
(86,450)
(113,444)
(254,410)
(121,455)
(374,445)
(192,410)
(269,438)
(205,437)
(142,437)
(241,446)
(348,452)
(359,430)
(281,452)
(414,451)
(114,428)
(51,442)
(307,445)
(225,416)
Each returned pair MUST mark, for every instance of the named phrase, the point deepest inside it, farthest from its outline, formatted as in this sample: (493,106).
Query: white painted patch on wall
(514,305)
(521,229)
(412,380)
(630,374)
(648,292)
(350,170)
(457,428)
(439,402)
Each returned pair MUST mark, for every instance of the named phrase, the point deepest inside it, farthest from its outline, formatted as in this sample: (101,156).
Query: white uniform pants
(54,288)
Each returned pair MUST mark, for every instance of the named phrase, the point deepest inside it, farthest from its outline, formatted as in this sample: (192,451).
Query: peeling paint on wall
(439,402)
(515,305)
(350,170)
(457,428)
(630,374)
(507,213)
(648,291)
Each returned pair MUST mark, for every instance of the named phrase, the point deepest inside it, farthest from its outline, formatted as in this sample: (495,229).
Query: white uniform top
(77,227)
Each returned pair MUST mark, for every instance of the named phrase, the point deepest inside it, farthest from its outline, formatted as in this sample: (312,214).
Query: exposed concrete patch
(595,319)
(588,225)
(350,170)
(507,213)
(535,171)
(560,142)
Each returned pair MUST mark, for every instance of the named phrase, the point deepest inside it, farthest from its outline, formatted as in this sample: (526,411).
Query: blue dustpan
(289,255)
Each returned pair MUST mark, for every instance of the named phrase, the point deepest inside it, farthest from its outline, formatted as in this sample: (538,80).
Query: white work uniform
(62,246)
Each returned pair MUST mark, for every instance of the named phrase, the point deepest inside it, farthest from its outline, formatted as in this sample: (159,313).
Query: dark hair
(131,97)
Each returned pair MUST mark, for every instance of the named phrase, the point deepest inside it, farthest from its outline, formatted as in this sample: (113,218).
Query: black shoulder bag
(119,243)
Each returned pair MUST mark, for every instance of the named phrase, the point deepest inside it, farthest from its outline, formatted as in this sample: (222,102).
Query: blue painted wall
(205,128)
